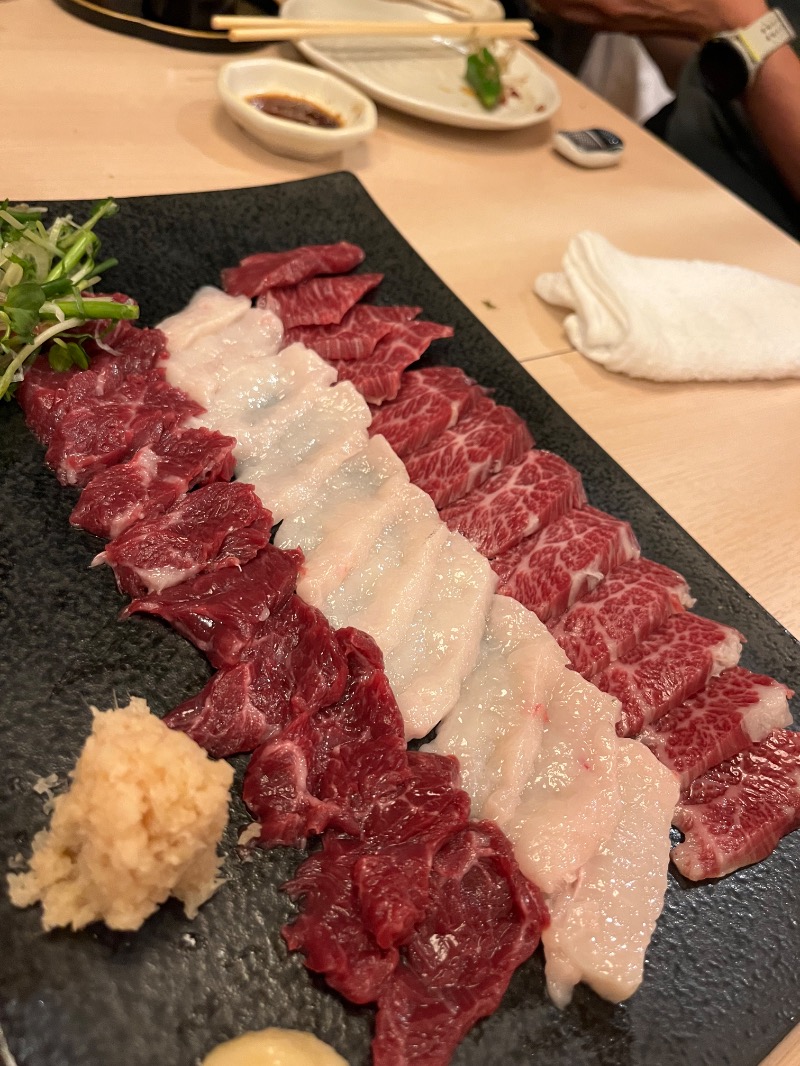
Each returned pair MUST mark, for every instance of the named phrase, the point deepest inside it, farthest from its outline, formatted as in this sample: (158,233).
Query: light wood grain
(707,453)
(787,1053)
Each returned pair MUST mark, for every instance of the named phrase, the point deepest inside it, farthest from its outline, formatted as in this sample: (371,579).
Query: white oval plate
(423,77)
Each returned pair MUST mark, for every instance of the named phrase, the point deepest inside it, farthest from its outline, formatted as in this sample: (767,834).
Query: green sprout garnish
(46,277)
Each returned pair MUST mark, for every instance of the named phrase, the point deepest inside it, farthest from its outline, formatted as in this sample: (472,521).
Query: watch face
(723,69)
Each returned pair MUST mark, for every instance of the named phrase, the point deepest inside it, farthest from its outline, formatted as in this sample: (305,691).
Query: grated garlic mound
(141,822)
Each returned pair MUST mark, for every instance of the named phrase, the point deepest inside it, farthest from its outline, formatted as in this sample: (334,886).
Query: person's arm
(772,102)
(670,18)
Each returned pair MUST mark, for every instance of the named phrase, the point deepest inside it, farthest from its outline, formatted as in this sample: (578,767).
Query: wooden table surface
(89,113)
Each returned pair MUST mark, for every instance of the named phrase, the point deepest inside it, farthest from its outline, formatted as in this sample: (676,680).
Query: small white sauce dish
(250,77)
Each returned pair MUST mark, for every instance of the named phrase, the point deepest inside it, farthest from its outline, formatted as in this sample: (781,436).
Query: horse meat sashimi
(667,668)
(524,497)
(570,803)
(257,274)
(217,335)
(600,926)
(378,377)
(152,480)
(391,580)
(301,460)
(97,432)
(386,873)
(328,769)
(485,919)
(736,813)
(430,401)
(320,301)
(478,445)
(224,524)
(344,496)
(44,394)
(225,612)
(440,648)
(297,667)
(356,335)
(352,539)
(552,569)
(628,605)
(495,729)
(258,402)
(733,712)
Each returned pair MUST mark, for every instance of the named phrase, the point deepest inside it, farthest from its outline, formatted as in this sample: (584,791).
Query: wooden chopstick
(266,28)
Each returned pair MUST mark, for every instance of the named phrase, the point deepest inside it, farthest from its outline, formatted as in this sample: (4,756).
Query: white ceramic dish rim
(284,130)
(422,108)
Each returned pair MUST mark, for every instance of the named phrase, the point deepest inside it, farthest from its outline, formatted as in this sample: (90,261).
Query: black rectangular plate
(721,983)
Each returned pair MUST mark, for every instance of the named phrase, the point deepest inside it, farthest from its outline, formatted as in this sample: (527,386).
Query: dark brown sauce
(295,110)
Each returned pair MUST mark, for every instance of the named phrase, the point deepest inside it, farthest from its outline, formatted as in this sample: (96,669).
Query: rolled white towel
(675,319)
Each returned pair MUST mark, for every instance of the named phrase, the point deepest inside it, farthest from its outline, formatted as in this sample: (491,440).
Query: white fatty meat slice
(291,471)
(260,401)
(601,925)
(570,805)
(383,593)
(213,333)
(341,497)
(495,729)
(209,311)
(352,539)
(441,646)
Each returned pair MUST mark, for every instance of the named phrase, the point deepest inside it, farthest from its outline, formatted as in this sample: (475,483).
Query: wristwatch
(728,62)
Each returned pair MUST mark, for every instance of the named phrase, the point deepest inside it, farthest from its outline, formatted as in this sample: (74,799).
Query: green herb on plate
(46,277)
(483,77)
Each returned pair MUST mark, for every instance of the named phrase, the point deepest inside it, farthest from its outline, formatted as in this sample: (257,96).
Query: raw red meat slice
(279,788)
(484,920)
(326,769)
(736,710)
(667,668)
(361,753)
(222,718)
(631,602)
(407,826)
(523,498)
(45,394)
(429,805)
(223,524)
(296,667)
(257,274)
(125,348)
(736,813)
(401,836)
(393,888)
(225,612)
(330,930)
(378,377)
(552,569)
(430,401)
(390,873)
(153,480)
(319,302)
(462,458)
(356,335)
(102,431)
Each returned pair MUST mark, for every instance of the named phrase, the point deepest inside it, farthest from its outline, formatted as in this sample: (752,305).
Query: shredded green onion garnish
(46,274)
